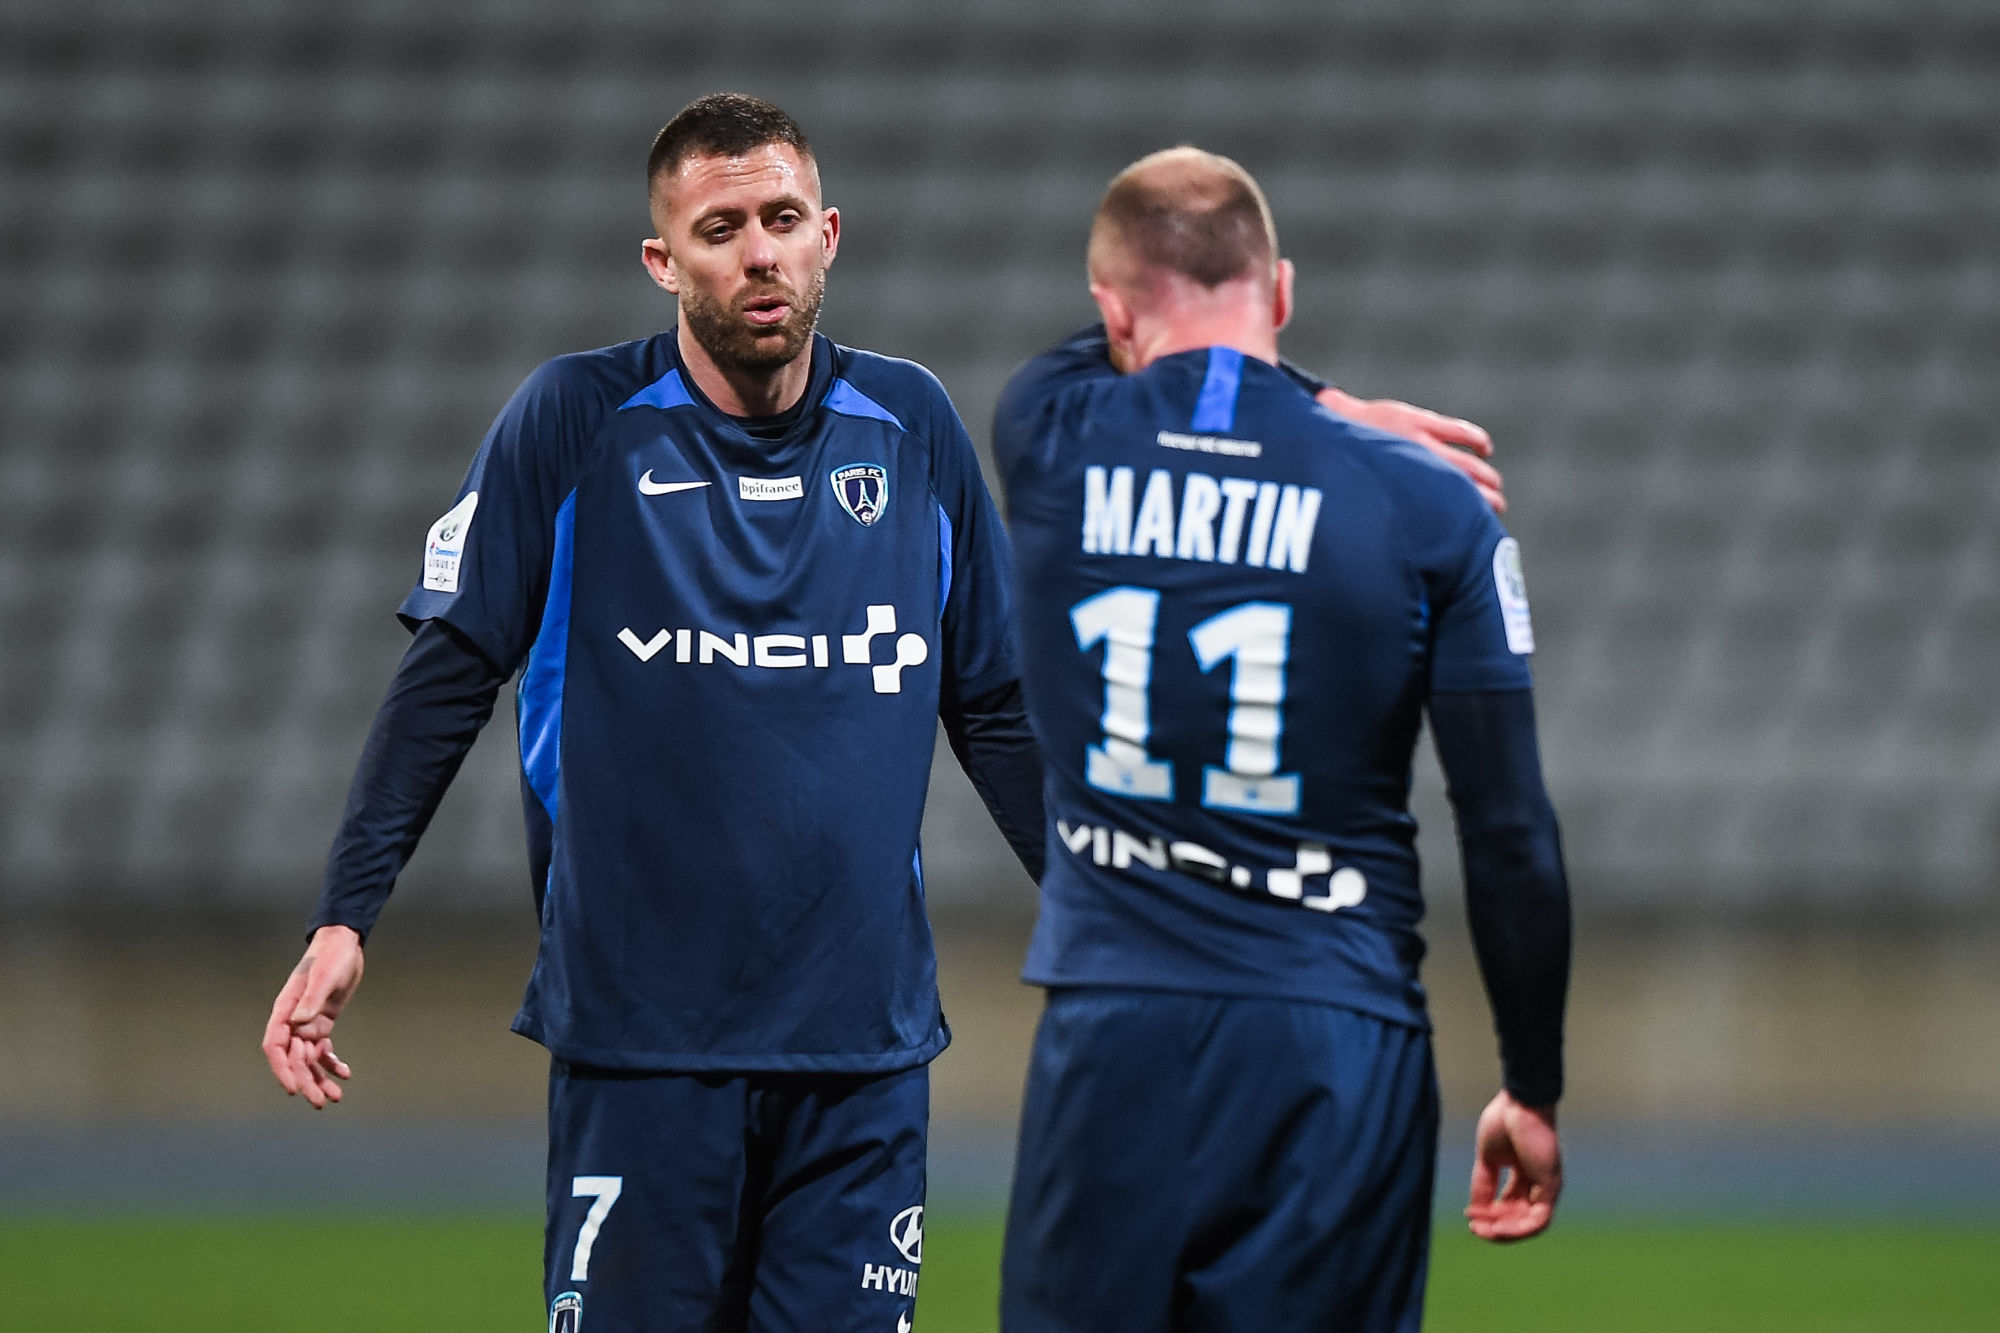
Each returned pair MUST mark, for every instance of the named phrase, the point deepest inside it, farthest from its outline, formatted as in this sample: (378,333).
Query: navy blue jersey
(734,651)
(1234,605)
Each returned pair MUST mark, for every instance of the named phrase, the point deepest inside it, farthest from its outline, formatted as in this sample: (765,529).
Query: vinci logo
(785,651)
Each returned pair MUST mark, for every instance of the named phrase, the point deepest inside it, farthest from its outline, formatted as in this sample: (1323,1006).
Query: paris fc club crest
(566,1315)
(863,491)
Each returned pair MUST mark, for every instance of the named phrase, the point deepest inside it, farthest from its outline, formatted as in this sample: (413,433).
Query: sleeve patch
(1512,587)
(445,545)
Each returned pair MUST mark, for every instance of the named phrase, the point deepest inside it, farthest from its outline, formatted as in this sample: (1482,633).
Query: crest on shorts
(863,491)
(566,1315)
(906,1233)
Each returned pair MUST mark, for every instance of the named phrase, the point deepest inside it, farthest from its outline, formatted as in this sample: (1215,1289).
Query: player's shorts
(1189,1162)
(734,1202)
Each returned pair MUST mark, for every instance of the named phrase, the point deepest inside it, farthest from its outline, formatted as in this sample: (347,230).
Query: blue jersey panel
(734,653)
(1234,605)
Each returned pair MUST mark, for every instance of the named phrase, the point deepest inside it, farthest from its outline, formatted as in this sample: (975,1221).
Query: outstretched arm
(441,696)
(1517,902)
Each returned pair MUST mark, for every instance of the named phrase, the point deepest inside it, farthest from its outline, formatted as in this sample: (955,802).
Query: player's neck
(1167,338)
(742,392)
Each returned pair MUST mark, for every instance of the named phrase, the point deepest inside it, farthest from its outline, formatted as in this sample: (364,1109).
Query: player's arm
(1085,356)
(1517,903)
(980,704)
(474,611)
(1039,389)
(1458,442)
(1517,896)
(995,745)
(439,698)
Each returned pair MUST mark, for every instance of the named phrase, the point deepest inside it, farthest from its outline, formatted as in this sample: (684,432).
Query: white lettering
(888,1278)
(1345,886)
(1210,444)
(644,651)
(736,649)
(1227,519)
(1191,858)
(1107,511)
(1292,532)
(789,651)
(1260,523)
(1154,527)
(1153,851)
(1201,500)
(1239,493)
(766,650)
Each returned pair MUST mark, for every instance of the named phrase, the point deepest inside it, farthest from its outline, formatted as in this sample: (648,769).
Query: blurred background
(1719,277)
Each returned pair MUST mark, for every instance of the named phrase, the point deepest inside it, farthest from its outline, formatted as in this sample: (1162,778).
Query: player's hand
(1520,1140)
(1459,443)
(298,1041)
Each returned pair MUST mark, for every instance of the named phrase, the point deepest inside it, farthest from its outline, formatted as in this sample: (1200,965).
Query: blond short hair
(1186,211)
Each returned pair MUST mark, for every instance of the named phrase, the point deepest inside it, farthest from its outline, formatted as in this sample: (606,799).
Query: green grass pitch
(256,1275)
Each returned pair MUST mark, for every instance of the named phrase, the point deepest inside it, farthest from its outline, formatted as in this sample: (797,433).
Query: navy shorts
(734,1202)
(1190,1162)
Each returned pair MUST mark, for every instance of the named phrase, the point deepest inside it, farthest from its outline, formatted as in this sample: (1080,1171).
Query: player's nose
(760,251)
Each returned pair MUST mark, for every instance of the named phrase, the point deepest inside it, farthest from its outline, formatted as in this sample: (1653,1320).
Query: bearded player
(743,572)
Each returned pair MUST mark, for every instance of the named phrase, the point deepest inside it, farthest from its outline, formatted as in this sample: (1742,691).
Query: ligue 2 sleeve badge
(863,491)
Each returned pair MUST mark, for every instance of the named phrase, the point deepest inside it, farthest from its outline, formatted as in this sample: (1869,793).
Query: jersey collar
(765,430)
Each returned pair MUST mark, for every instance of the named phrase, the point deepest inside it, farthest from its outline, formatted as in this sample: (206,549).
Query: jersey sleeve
(974,599)
(1481,636)
(486,561)
(1034,392)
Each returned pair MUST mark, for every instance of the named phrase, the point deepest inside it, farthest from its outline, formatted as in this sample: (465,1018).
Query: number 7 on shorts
(605,1191)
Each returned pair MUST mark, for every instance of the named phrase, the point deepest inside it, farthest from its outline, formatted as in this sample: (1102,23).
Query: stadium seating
(1721,278)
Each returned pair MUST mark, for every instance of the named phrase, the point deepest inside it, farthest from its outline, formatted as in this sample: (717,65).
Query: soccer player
(744,572)
(1235,608)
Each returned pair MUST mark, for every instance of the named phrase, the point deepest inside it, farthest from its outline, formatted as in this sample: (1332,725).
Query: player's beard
(732,340)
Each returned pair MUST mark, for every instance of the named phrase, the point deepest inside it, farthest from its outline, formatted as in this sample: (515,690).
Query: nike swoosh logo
(647,486)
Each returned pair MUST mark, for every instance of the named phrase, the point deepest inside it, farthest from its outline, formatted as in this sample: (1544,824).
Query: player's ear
(829,234)
(1281,295)
(659,262)
(1117,311)
(1120,323)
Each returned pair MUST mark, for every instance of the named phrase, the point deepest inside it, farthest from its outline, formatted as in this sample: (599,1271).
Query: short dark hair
(1190,212)
(721,125)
